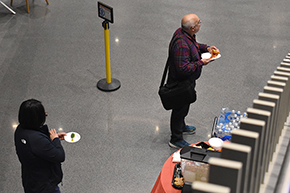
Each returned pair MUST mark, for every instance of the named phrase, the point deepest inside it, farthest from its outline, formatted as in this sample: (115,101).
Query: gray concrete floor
(56,54)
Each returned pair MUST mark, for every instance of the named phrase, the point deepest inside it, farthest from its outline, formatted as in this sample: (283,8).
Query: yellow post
(107,52)
(108,84)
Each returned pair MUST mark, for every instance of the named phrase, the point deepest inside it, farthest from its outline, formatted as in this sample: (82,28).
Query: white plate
(208,55)
(72,140)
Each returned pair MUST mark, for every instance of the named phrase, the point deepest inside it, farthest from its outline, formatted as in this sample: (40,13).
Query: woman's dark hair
(31,114)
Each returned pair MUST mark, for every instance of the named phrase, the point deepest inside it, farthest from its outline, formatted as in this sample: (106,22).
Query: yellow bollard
(108,83)
(107,51)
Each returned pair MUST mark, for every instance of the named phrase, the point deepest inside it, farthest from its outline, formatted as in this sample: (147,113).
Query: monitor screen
(105,12)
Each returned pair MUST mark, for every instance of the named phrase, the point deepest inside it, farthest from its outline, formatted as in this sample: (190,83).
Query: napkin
(176,157)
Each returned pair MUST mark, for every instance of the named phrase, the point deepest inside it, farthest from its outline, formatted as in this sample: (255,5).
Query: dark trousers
(177,123)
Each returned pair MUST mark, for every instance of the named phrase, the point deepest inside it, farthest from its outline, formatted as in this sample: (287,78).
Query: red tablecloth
(163,183)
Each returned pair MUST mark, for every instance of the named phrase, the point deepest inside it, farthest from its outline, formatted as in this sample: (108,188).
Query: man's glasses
(199,22)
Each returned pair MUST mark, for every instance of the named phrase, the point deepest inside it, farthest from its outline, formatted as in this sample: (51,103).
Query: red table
(163,183)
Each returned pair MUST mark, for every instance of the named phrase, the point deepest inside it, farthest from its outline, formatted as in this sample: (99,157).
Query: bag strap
(164,72)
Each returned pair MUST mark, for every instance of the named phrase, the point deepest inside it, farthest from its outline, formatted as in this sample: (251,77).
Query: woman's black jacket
(40,159)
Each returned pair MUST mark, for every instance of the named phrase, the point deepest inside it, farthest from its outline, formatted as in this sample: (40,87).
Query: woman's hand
(53,134)
(61,135)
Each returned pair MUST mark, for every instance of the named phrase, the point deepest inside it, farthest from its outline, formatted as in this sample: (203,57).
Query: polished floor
(56,54)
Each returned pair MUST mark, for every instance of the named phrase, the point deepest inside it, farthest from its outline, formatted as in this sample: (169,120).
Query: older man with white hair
(185,63)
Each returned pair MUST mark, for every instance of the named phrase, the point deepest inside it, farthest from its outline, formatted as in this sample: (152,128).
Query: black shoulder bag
(176,94)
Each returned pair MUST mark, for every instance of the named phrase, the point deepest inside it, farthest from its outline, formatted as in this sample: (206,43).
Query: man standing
(185,64)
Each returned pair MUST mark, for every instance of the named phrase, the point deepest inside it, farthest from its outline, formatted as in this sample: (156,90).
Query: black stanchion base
(107,87)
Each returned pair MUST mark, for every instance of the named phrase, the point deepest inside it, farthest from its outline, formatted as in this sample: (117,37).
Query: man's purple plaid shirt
(187,61)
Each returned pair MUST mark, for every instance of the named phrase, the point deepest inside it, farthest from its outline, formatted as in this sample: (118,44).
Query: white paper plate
(76,138)
(208,55)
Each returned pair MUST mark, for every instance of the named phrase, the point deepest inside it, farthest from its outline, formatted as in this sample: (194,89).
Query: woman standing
(38,149)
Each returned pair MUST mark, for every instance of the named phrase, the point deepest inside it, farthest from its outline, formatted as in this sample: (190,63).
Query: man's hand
(212,47)
(206,61)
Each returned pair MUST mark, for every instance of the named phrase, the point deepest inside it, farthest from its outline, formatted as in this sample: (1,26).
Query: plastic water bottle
(232,116)
(217,128)
(220,133)
(235,117)
(227,135)
(236,125)
(245,115)
(222,116)
(228,121)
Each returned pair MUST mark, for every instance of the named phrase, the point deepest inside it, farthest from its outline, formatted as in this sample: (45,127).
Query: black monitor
(105,12)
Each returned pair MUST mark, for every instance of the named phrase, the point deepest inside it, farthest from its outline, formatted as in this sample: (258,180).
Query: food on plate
(179,181)
(214,53)
(72,136)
